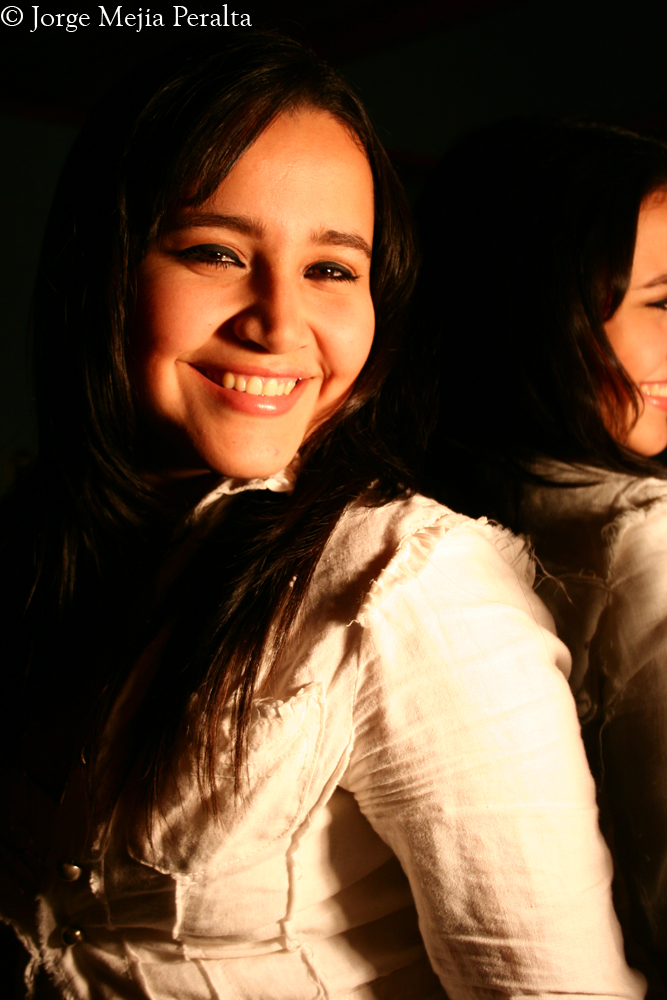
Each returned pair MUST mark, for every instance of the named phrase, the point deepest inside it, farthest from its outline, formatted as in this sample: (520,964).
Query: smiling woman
(637,331)
(254,312)
(562,249)
(275,727)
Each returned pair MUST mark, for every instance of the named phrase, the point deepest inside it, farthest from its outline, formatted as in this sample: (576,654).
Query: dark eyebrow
(661,280)
(213,220)
(332,237)
(251,227)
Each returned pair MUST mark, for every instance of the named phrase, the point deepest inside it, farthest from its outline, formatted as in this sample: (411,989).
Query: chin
(648,441)
(248,467)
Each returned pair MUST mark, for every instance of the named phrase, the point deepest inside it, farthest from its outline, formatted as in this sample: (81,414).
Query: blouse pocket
(189,838)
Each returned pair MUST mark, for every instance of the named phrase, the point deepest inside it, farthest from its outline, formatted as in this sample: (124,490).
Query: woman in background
(545,252)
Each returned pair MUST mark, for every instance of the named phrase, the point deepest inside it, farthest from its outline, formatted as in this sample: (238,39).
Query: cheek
(640,356)
(351,345)
(156,339)
(158,322)
(639,340)
(170,310)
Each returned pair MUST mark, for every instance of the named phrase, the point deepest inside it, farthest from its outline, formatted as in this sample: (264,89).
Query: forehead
(306,163)
(651,242)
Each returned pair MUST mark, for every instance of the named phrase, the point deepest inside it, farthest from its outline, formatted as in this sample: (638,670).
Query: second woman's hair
(528,231)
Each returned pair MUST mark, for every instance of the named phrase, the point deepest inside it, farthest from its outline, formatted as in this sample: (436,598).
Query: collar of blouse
(280,482)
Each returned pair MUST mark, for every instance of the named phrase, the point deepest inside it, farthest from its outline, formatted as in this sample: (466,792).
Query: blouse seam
(515,550)
(613,532)
(396,573)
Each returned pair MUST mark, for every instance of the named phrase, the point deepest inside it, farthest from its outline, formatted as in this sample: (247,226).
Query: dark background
(427,70)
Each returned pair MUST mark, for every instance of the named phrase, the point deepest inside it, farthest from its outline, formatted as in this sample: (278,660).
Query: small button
(69,871)
(71,935)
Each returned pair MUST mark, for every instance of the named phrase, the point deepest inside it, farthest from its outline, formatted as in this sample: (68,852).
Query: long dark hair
(84,532)
(528,230)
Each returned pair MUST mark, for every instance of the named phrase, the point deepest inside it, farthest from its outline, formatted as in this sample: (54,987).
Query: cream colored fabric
(417,798)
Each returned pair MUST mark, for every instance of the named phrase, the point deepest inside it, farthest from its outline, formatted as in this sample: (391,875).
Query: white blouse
(417,814)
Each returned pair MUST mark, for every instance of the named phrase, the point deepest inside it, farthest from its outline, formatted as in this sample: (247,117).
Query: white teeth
(654,389)
(256,386)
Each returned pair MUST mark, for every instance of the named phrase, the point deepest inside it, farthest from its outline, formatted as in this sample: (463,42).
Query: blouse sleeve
(468,762)
(630,652)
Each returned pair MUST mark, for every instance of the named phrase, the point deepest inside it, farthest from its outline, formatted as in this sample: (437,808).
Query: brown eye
(330,271)
(211,253)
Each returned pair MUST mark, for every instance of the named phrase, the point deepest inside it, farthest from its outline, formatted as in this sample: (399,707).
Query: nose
(273,321)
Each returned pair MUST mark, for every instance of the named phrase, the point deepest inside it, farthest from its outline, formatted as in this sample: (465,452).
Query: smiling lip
(655,393)
(254,392)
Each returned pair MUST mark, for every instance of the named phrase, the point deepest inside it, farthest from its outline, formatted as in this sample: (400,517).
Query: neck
(183,490)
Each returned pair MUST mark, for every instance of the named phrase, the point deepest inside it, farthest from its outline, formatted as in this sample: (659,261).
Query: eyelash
(206,253)
(213,254)
(660,304)
(336,272)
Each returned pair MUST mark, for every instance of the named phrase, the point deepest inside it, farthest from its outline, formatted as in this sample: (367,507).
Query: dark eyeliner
(322,266)
(210,253)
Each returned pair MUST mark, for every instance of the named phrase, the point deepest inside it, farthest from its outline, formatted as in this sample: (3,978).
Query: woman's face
(638,329)
(254,313)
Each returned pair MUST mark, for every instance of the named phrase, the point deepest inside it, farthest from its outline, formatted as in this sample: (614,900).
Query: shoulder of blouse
(422,533)
(376,551)
(584,490)
(633,627)
(642,514)
(577,519)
